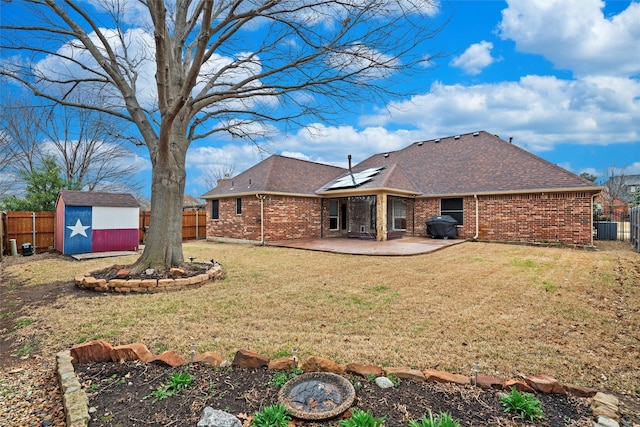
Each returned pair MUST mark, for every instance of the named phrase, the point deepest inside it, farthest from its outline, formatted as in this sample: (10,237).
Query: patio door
(362,217)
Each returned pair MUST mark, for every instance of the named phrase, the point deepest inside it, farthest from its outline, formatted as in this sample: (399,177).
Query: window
(453,207)
(239,206)
(333,214)
(399,214)
(215,209)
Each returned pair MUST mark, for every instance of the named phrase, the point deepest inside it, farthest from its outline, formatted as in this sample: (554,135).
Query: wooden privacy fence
(635,227)
(38,229)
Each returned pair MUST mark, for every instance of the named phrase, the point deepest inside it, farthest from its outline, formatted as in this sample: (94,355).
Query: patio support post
(381,217)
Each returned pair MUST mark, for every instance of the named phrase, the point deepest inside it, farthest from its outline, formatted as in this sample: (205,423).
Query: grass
(572,314)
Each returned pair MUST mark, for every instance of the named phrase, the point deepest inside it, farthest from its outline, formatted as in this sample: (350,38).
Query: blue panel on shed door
(77,229)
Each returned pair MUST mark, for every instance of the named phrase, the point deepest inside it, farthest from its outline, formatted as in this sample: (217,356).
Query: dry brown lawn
(570,313)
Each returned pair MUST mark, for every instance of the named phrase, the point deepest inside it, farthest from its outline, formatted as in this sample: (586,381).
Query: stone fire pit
(317,395)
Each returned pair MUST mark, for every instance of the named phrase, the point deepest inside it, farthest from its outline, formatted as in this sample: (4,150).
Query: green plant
(93,387)
(526,405)
(6,315)
(281,377)
(272,416)
(443,419)
(394,379)
(177,382)
(371,377)
(27,348)
(23,322)
(360,418)
(549,287)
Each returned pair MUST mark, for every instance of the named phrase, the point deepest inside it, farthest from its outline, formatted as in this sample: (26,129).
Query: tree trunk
(163,244)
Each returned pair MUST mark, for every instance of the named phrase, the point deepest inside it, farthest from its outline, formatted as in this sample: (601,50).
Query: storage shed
(88,221)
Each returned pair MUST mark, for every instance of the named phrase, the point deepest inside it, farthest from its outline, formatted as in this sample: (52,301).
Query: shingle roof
(95,198)
(474,163)
(278,174)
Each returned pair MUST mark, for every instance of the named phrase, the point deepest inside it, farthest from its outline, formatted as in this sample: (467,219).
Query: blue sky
(560,77)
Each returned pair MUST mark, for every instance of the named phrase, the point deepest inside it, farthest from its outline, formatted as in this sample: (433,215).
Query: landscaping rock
(169,358)
(281,364)
(208,358)
(216,418)
(364,370)
(486,382)
(127,352)
(606,422)
(405,373)
(320,364)
(580,391)
(249,359)
(445,377)
(518,385)
(91,352)
(545,384)
(384,382)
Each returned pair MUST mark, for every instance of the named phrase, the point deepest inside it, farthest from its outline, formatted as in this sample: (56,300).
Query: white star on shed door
(78,229)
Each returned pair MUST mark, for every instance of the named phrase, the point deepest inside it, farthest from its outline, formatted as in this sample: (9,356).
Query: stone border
(605,408)
(126,286)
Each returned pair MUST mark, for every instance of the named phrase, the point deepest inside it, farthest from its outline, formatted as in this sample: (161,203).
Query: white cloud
(475,58)
(575,35)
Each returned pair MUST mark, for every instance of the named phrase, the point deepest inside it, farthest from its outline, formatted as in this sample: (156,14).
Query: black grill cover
(442,226)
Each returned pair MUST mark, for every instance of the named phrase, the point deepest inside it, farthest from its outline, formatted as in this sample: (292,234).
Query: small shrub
(281,377)
(443,419)
(394,379)
(272,416)
(177,382)
(526,405)
(360,418)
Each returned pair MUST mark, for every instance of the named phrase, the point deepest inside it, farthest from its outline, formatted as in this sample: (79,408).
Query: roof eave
(526,191)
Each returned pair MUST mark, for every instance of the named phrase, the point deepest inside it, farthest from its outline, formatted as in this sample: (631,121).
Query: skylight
(355,179)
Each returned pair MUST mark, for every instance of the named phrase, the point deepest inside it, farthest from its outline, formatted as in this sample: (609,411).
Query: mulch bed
(120,395)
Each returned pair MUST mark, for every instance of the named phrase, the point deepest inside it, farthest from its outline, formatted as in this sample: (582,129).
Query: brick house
(494,189)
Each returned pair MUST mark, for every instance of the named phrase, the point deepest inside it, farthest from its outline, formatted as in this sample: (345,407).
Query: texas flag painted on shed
(89,227)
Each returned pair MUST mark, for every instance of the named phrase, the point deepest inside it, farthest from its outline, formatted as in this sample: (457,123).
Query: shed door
(77,229)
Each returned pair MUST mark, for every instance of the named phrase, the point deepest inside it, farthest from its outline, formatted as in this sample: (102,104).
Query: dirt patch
(122,395)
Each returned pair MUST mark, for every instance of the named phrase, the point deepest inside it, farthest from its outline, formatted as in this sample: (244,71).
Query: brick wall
(285,218)
(549,217)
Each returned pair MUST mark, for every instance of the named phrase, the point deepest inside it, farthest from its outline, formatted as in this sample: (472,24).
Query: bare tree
(614,187)
(21,125)
(214,173)
(88,150)
(83,143)
(186,69)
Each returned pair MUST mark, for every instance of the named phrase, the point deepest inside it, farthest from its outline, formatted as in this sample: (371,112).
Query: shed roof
(95,198)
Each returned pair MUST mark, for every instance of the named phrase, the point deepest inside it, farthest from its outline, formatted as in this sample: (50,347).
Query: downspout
(593,202)
(261,197)
(475,197)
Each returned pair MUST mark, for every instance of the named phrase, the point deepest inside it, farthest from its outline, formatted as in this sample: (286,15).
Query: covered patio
(398,247)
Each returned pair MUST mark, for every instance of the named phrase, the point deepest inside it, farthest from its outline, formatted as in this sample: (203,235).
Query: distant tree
(614,187)
(636,198)
(84,143)
(214,173)
(42,187)
(588,176)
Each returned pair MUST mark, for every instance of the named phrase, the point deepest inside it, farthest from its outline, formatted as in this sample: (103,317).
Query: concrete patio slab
(398,247)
